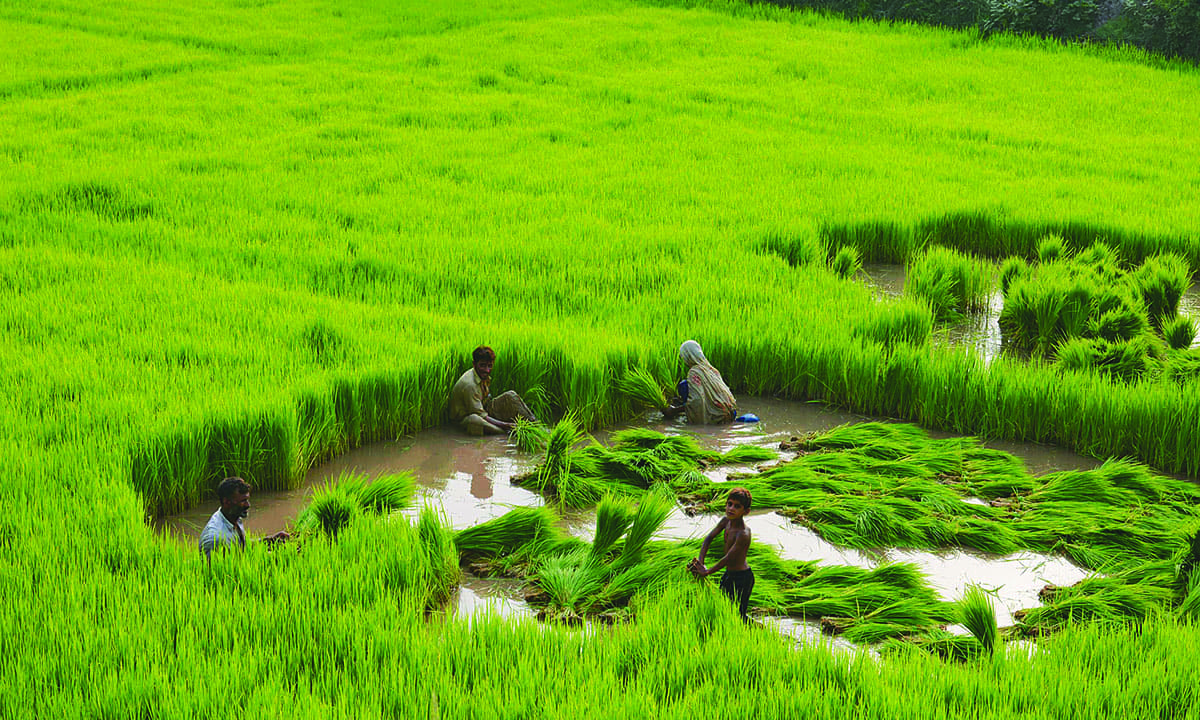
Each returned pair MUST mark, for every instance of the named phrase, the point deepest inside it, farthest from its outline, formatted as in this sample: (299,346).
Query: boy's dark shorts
(738,584)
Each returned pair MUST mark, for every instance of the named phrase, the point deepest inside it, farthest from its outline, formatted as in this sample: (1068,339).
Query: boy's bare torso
(737,560)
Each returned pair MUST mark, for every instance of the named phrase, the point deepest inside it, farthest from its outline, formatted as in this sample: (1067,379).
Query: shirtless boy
(738,581)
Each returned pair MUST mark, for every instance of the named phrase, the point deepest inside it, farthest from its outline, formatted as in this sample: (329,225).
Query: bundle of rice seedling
(386,493)
(1011,269)
(612,519)
(330,510)
(846,263)
(441,556)
(950,281)
(939,643)
(1179,332)
(745,454)
(652,511)
(1081,486)
(642,388)
(1161,282)
(1190,607)
(1051,248)
(570,579)
(977,615)
(530,437)
(517,528)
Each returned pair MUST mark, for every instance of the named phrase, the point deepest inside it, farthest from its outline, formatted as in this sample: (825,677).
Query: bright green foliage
(1094,315)
(336,504)
(530,437)
(1011,269)
(906,321)
(641,386)
(748,454)
(635,460)
(977,615)
(951,282)
(1051,248)
(1179,332)
(241,237)
(518,528)
(846,263)
(585,581)
(441,556)
(1161,280)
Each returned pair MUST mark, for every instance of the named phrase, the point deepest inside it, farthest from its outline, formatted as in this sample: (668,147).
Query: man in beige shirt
(471,403)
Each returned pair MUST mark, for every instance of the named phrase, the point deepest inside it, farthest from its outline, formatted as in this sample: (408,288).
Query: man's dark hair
(231,486)
(482,353)
(742,495)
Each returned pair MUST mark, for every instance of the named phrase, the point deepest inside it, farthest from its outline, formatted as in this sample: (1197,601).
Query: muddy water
(470,480)
(981,330)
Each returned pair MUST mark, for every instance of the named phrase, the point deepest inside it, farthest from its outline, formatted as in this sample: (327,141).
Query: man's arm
(505,426)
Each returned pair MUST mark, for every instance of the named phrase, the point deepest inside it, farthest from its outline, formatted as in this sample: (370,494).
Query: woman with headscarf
(704,396)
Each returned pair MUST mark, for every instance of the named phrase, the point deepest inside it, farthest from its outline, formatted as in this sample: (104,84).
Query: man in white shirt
(225,526)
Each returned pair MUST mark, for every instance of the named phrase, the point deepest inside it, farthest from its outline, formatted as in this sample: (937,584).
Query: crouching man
(472,406)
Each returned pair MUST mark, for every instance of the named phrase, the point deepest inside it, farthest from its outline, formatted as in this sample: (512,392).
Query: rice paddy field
(247,236)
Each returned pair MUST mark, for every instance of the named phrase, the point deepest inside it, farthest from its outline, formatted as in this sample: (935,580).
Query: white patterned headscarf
(709,399)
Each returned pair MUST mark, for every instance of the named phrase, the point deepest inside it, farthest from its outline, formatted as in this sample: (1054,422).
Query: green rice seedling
(977,615)
(1161,282)
(557,462)
(846,263)
(745,454)
(642,388)
(899,439)
(1183,367)
(652,511)
(983,535)
(905,321)
(682,448)
(951,282)
(440,554)
(1102,600)
(1179,332)
(576,491)
(530,437)
(1190,607)
(1051,248)
(386,493)
(1081,486)
(1012,269)
(330,510)
(613,517)
(1134,477)
(904,576)
(960,648)
(870,633)
(876,526)
(500,536)
(569,580)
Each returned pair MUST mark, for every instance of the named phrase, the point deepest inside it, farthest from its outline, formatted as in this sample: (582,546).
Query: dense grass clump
(846,262)
(1093,314)
(951,282)
(904,321)
(337,503)
(977,615)
(641,386)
